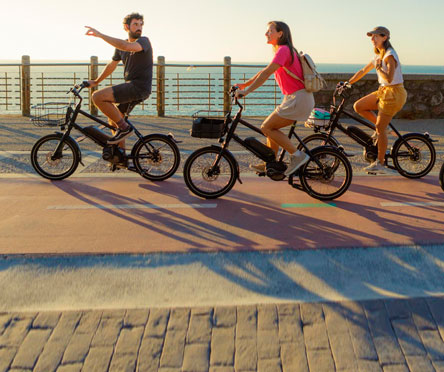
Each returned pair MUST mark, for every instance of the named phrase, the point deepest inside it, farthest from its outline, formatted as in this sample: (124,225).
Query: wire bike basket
(50,114)
(208,124)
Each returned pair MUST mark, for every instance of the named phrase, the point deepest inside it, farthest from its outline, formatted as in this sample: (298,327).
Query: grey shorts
(296,106)
(129,92)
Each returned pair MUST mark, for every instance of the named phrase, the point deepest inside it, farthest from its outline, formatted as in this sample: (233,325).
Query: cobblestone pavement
(366,336)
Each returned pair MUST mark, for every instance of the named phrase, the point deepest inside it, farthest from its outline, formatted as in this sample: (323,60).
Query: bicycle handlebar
(77,88)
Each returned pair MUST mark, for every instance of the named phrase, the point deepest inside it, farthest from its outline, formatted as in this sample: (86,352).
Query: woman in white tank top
(388,99)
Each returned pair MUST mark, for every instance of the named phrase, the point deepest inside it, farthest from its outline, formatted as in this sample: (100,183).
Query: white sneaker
(297,159)
(377,168)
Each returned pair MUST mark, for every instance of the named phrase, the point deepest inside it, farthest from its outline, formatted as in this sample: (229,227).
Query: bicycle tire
(200,182)
(404,157)
(441,177)
(156,157)
(323,141)
(336,170)
(56,169)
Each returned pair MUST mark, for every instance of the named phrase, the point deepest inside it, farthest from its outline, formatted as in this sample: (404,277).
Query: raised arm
(364,71)
(108,70)
(260,78)
(120,44)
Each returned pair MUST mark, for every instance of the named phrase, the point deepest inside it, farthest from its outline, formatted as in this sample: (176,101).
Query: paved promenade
(353,300)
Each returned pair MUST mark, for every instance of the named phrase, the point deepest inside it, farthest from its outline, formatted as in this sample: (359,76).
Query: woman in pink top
(297,103)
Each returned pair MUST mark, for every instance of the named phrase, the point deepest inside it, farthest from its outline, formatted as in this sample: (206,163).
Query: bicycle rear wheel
(330,178)
(441,177)
(414,161)
(54,166)
(204,178)
(156,157)
(318,139)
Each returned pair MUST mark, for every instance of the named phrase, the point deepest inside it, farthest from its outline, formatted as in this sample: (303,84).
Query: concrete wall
(425,94)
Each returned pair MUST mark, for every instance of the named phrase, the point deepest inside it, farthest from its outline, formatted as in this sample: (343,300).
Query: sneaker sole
(114,142)
(286,173)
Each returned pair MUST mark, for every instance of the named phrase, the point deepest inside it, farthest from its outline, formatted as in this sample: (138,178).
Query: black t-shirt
(138,65)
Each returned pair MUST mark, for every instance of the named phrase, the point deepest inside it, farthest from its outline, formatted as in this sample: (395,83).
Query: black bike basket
(50,114)
(210,125)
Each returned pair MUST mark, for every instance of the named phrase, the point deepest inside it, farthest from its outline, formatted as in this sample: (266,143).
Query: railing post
(160,86)
(227,83)
(93,74)
(26,86)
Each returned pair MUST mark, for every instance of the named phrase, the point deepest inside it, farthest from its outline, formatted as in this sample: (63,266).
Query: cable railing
(178,89)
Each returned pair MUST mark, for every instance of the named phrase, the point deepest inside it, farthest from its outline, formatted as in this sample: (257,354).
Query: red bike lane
(98,215)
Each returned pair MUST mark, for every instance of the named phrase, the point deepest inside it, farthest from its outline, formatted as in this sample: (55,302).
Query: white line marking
(412,204)
(132,206)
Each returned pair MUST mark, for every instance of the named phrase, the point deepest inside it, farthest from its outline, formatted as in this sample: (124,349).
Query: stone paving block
(149,354)
(224,316)
(315,335)
(395,368)
(196,358)
(245,358)
(419,363)
(342,350)
(20,370)
(77,348)
(436,306)
(5,319)
(107,332)
(123,363)
(289,309)
(433,344)
(397,308)
(89,322)
(388,350)
(135,317)
(58,341)
(70,367)
(219,369)
(361,338)
(373,305)
(334,318)
(290,328)
(167,369)
(179,319)
(200,328)
(222,346)
(311,313)
(408,337)
(113,313)
(31,348)
(173,348)
(7,354)
(368,366)
(267,317)
(268,344)
(438,365)
(421,314)
(320,360)
(202,310)
(246,322)
(129,340)
(98,359)
(294,358)
(47,319)
(157,323)
(269,365)
(379,323)
(15,332)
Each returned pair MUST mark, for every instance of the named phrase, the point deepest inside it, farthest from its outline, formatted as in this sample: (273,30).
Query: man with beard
(137,57)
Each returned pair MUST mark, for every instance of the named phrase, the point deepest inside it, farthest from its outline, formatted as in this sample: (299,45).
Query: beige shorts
(296,106)
(391,99)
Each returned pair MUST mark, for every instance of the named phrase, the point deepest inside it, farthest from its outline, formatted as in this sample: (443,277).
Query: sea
(189,86)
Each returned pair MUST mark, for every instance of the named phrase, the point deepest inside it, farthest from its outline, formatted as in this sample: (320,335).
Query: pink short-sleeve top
(288,84)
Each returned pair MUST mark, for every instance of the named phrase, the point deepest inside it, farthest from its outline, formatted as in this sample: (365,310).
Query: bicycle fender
(425,135)
(74,142)
(231,156)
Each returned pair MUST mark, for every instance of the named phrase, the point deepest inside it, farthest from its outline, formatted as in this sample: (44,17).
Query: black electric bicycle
(56,156)
(212,171)
(441,177)
(413,154)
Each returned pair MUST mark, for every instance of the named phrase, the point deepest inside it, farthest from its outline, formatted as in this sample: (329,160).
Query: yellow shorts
(391,99)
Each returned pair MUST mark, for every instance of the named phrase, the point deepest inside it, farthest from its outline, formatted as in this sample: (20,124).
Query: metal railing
(178,89)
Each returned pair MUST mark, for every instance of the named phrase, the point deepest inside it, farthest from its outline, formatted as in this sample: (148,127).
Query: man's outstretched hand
(92,32)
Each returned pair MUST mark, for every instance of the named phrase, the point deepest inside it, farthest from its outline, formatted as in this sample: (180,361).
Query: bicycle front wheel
(415,160)
(51,165)
(327,175)
(156,157)
(207,179)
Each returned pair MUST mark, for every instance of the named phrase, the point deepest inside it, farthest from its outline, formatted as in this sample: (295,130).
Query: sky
(208,30)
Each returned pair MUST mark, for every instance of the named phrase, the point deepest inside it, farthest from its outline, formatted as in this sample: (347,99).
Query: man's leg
(104,100)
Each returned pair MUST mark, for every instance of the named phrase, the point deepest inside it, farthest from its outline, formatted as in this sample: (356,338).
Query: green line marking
(307,205)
